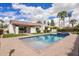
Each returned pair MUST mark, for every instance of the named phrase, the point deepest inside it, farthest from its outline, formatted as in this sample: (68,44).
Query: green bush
(55,27)
(65,30)
(76,28)
(68,29)
(46,30)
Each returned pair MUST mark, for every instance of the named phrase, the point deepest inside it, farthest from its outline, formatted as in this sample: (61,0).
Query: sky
(11,11)
(36,11)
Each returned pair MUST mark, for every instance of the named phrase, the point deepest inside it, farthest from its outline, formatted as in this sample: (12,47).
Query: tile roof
(22,23)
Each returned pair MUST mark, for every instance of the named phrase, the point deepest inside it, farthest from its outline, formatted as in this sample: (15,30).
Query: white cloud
(75,13)
(37,13)
(57,7)
(67,7)
(7,13)
(26,9)
(7,16)
(64,6)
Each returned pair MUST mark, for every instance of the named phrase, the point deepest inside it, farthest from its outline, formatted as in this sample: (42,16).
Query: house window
(22,29)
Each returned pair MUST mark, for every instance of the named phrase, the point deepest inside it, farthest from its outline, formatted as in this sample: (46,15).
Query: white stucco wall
(33,30)
(13,29)
(10,28)
(54,30)
(16,30)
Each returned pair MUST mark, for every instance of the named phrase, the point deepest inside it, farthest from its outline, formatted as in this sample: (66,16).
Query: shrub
(68,29)
(7,31)
(76,28)
(46,30)
(55,27)
(65,30)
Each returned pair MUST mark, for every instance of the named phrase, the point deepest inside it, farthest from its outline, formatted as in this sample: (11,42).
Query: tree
(62,16)
(3,27)
(70,15)
(52,23)
(72,22)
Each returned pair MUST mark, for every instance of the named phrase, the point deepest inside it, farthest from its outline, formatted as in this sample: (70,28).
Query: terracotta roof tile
(22,23)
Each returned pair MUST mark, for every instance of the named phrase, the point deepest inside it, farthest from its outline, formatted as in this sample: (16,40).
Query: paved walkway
(61,48)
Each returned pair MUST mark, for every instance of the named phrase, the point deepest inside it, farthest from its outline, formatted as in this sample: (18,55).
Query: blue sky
(43,5)
(7,7)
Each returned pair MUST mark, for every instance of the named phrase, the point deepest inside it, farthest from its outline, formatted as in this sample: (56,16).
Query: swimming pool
(43,41)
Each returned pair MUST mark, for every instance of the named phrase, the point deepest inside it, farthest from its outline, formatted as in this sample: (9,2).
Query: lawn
(13,35)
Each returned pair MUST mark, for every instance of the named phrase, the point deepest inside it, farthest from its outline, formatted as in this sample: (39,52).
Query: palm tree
(72,22)
(70,15)
(62,16)
(59,15)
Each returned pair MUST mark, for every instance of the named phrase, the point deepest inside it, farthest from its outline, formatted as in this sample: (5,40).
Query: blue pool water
(43,41)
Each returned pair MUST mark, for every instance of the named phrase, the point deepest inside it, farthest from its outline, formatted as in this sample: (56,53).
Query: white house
(17,27)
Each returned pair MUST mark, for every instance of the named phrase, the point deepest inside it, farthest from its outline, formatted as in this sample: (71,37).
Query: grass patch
(13,35)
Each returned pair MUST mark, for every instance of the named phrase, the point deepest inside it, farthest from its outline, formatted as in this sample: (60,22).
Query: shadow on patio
(75,50)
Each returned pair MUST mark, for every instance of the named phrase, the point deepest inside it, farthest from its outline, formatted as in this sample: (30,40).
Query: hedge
(66,30)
